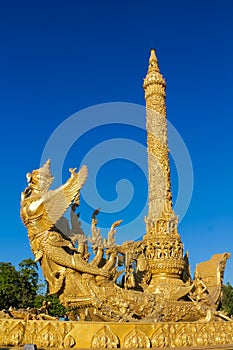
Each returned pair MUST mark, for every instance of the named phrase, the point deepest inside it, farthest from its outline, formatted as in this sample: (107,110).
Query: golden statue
(156,283)
(146,282)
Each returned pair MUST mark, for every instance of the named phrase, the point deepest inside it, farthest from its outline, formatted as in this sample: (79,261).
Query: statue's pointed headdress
(45,170)
(41,179)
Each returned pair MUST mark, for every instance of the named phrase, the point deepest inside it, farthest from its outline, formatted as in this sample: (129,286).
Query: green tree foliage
(227,299)
(9,286)
(18,288)
(55,307)
(28,274)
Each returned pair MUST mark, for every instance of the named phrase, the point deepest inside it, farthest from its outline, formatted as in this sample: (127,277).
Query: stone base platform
(86,335)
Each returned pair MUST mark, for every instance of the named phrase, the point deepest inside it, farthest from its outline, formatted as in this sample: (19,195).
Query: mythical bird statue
(42,213)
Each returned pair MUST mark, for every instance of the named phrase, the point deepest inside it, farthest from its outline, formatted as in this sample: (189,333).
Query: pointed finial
(153,62)
(153,74)
(153,57)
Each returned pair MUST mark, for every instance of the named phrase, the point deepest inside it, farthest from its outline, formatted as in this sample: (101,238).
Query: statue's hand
(73,172)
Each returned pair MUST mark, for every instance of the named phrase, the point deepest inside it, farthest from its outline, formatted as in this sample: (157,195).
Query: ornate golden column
(164,249)
(160,197)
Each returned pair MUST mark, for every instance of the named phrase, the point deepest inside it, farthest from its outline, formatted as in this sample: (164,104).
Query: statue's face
(40,179)
(35,180)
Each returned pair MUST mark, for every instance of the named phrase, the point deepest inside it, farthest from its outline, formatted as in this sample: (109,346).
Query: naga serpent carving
(95,287)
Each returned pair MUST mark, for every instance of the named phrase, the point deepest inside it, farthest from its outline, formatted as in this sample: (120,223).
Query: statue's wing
(56,202)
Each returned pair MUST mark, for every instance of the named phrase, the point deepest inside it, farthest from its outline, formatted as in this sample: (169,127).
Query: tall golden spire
(164,249)
(160,197)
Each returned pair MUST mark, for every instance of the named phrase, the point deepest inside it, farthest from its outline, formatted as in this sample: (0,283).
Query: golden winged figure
(38,201)
(41,210)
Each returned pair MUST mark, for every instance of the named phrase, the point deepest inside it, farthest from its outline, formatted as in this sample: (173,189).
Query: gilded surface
(154,286)
(146,284)
(94,335)
(105,338)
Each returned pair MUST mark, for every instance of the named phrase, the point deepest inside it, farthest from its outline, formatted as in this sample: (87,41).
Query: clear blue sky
(58,57)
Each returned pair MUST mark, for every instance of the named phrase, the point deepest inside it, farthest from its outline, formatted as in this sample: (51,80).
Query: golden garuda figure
(42,213)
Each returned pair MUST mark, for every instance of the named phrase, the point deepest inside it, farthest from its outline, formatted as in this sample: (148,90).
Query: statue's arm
(34,207)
